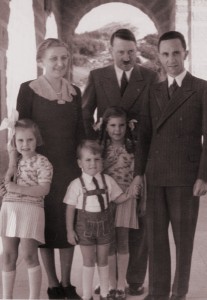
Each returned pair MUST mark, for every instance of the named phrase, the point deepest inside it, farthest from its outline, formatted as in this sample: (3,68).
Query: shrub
(79,60)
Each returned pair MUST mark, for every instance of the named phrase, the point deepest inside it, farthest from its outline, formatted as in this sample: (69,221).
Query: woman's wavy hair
(104,139)
(28,124)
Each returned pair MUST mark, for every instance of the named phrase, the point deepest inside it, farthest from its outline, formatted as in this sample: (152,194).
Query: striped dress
(119,164)
(22,215)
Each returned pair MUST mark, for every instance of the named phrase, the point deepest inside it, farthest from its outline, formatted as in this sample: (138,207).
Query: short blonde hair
(49,43)
(91,145)
(29,124)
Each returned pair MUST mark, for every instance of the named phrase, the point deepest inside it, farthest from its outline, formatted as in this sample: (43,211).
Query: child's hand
(10,174)
(11,187)
(72,237)
(136,186)
(129,195)
(135,192)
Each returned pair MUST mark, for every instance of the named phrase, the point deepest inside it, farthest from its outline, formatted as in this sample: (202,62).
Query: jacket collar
(112,90)
(181,95)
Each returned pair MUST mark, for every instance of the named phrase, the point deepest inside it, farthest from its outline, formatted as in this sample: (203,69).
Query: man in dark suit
(172,153)
(123,84)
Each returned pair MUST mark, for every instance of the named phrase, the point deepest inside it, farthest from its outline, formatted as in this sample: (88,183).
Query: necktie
(124,83)
(172,88)
(100,197)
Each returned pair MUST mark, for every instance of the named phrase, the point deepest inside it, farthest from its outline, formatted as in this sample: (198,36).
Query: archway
(117,12)
(162,13)
(103,20)
(51,27)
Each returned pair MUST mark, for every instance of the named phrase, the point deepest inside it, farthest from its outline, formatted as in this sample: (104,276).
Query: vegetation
(87,45)
(91,44)
(148,47)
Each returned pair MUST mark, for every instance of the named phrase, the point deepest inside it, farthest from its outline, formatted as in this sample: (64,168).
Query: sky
(116,12)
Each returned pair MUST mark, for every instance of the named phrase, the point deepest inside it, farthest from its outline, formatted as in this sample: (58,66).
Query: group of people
(72,180)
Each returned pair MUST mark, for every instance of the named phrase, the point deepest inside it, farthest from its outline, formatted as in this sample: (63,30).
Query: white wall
(191,20)
(22,48)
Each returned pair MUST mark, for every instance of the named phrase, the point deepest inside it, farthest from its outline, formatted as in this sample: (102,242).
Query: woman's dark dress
(62,128)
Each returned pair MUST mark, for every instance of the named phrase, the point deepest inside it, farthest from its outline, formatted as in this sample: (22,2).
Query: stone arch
(162,13)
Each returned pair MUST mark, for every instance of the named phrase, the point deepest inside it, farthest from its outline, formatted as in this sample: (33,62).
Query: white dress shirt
(119,73)
(178,79)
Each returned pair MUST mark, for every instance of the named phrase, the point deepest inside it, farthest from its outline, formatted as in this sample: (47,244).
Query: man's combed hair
(91,145)
(124,34)
(171,35)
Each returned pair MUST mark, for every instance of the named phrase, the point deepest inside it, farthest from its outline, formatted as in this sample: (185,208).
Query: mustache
(126,62)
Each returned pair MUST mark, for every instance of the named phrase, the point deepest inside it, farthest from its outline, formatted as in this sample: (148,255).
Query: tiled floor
(198,281)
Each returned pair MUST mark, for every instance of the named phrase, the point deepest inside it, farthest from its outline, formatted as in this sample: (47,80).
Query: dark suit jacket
(103,91)
(170,147)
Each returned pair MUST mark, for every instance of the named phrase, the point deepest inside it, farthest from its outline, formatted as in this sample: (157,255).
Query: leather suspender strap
(95,192)
(105,188)
(84,192)
(87,193)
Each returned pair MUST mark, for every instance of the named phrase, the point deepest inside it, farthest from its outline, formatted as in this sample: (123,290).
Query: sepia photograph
(103,149)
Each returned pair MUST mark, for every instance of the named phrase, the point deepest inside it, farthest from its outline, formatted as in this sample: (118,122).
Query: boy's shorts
(94,228)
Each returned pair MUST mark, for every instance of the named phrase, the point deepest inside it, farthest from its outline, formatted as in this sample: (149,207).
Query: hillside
(112,27)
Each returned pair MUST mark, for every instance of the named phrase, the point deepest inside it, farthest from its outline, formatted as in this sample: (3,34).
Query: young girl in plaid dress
(118,162)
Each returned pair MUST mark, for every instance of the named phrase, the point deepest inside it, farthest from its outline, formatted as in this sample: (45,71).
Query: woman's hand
(72,237)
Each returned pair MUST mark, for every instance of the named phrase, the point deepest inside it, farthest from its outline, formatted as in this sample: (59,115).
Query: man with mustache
(125,84)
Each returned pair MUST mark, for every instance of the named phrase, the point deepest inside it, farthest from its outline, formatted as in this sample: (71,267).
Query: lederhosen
(97,227)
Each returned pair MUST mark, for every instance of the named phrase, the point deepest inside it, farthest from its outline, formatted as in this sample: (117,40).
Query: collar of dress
(42,87)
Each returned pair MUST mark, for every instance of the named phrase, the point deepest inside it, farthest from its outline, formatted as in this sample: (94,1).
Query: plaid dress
(119,164)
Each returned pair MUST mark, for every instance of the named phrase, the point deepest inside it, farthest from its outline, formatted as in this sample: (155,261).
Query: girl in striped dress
(118,145)
(22,219)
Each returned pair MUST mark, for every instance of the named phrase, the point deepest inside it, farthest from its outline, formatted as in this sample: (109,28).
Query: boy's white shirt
(74,194)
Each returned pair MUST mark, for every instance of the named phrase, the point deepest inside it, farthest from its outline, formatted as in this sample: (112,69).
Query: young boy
(90,196)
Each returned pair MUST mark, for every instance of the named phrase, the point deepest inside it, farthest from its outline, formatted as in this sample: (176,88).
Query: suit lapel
(134,88)
(161,95)
(181,95)
(111,87)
